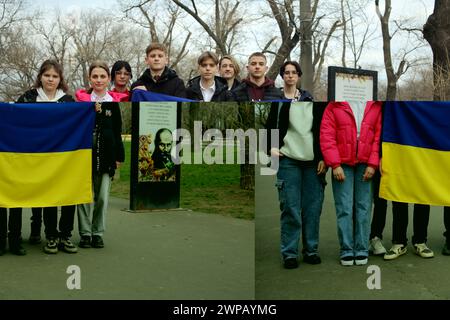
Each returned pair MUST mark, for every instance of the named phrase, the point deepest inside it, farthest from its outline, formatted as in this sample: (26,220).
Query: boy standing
(158,77)
(257,86)
(207,86)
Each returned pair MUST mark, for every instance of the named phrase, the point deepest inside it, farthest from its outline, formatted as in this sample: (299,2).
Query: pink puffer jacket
(338,135)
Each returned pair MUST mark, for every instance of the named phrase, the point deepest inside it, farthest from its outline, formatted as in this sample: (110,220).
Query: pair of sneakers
(53,245)
(292,263)
(95,242)
(398,250)
(350,260)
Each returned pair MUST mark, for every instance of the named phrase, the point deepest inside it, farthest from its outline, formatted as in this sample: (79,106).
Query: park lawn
(204,188)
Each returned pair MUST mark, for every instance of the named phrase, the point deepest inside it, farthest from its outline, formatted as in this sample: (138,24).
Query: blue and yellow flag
(45,154)
(416,153)
(142,95)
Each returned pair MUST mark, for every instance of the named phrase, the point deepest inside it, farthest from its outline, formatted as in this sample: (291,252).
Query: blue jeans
(300,192)
(353,193)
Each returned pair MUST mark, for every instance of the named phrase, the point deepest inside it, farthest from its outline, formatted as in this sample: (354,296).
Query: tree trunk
(306,56)
(247,121)
(392,78)
(437,32)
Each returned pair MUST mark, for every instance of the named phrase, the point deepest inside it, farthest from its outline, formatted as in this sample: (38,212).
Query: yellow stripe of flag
(415,175)
(45,179)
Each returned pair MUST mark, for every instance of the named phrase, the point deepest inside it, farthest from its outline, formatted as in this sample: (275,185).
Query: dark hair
(47,65)
(117,66)
(293,63)
(207,55)
(158,135)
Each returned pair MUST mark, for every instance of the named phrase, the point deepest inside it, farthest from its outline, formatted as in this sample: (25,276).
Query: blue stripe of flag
(424,124)
(46,127)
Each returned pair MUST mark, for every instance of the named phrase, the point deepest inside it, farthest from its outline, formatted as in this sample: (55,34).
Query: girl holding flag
(107,153)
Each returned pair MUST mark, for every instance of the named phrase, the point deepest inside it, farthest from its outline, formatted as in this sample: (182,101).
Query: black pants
(13,225)
(421,217)
(379,209)
(447,224)
(65,222)
(36,221)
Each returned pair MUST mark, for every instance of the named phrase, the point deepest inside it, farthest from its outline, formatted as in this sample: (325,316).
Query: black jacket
(242,92)
(279,119)
(31,96)
(304,95)
(169,83)
(236,84)
(194,92)
(108,146)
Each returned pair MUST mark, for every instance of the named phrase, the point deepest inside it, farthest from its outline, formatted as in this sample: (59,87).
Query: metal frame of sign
(359,72)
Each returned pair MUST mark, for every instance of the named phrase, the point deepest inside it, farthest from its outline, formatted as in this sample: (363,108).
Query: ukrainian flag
(45,154)
(416,153)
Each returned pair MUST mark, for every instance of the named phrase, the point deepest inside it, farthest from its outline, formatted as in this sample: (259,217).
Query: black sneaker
(361,260)
(97,242)
(85,242)
(290,263)
(18,250)
(312,259)
(51,247)
(67,246)
(347,261)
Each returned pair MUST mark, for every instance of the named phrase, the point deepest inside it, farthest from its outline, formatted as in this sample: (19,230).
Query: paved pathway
(159,255)
(408,277)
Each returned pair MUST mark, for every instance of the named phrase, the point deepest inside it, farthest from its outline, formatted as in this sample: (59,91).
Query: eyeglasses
(290,72)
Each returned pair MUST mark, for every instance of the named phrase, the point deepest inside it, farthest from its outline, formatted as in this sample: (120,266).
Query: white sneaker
(396,251)
(361,261)
(376,247)
(423,251)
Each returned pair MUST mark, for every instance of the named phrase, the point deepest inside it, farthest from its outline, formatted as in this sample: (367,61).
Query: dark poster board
(347,84)
(154,178)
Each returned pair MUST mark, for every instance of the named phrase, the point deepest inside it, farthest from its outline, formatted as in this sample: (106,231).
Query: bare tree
(307,14)
(404,64)
(304,28)
(19,65)
(56,36)
(358,34)
(289,28)
(143,13)
(437,32)
(11,13)
(223,28)
(93,37)
(18,53)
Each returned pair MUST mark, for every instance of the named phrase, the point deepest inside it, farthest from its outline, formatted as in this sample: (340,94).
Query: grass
(204,188)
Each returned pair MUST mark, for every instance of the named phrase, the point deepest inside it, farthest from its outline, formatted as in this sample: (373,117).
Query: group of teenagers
(346,137)
(343,136)
(108,151)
